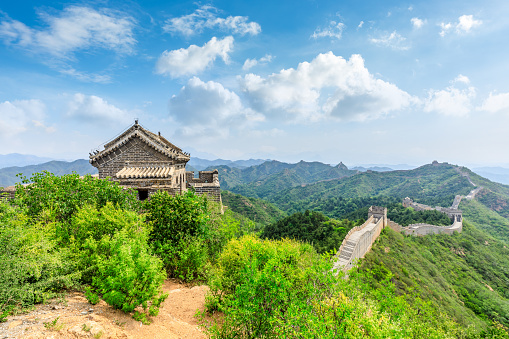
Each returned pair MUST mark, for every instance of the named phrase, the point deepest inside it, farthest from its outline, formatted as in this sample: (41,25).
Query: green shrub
(175,217)
(185,260)
(91,296)
(89,225)
(178,232)
(130,276)
(61,196)
(32,267)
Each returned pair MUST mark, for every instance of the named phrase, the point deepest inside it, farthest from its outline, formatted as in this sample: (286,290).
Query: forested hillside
(265,179)
(257,210)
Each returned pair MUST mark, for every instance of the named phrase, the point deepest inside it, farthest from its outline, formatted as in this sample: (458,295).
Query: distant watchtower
(378,212)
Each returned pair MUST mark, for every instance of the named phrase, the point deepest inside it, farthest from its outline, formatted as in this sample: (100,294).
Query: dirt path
(79,319)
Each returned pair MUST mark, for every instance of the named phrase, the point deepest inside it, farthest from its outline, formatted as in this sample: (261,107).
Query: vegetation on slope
(313,228)
(264,180)
(283,289)
(466,275)
(257,210)
(485,219)
(430,184)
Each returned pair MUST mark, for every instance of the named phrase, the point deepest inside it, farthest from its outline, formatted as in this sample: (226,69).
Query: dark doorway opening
(142,194)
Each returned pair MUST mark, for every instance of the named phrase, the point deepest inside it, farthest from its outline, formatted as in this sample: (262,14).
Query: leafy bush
(89,226)
(33,268)
(178,229)
(257,281)
(185,260)
(58,198)
(130,276)
(174,217)
(224,225)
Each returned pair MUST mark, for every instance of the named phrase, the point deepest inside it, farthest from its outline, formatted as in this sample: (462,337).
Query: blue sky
(353,81)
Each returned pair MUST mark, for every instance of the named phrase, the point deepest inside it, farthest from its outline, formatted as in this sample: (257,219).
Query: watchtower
(378,212)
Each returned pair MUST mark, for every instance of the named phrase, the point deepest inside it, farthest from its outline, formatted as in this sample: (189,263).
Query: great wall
(360,239)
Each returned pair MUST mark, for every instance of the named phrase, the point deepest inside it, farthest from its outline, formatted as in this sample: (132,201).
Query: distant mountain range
(8,174)
(16,159)
(498,174)
(201,164)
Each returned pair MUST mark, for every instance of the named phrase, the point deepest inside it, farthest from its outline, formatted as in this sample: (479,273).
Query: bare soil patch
(76,318)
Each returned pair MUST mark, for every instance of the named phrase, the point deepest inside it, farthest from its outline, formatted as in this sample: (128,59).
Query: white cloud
(496,103)
(96,110)
(418,23)
(333,30)
(250,63)
(360,24)
(393,40)
(208,109)
(19,115)
(327,87)
(464,25)
(206,17)
(445,28)
(193,59)
(462,78)
(450,102)
(76,28)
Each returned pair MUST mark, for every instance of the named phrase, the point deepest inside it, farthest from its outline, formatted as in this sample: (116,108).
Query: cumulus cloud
(96,110)
(250,63)
(450,101)
(462,79)
(19,115)
(207,17)
(464,25)
(193,59)
(417,23)
(393,40)
(75,28)
(209,109)
(327,87)
(360,24)
(332,30)
(496,103)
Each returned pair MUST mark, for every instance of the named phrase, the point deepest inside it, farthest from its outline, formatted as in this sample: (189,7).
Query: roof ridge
(146,136)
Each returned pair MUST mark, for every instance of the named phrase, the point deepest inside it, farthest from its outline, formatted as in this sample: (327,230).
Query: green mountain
(433,184)
(257,210)
(201,164)
(271,177)
(81,166)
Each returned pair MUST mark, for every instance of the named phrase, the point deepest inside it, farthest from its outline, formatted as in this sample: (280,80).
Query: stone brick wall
(213,192)
(134,150)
